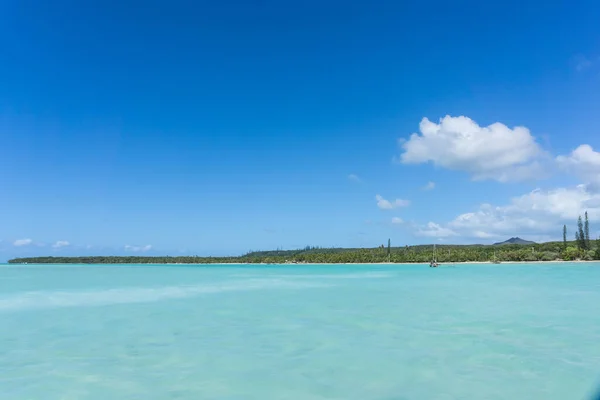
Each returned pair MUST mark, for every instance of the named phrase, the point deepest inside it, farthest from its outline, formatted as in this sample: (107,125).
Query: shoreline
(441,264)
(403,264)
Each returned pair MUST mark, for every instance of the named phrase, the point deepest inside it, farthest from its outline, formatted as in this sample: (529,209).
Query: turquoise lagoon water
(300,332)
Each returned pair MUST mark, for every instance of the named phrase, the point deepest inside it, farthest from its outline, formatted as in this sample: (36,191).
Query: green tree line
(408,254)
(582,248)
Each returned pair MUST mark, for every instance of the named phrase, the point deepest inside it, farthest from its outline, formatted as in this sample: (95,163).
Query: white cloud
(138,248)
(389,205)
(435,230)
(459,143)
(61,243)
(429,186)
(22,242)
(583,162)
(582,63)
(538,214)
(354,178)
(397,220)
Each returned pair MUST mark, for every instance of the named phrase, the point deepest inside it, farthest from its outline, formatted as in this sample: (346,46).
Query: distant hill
(515,240)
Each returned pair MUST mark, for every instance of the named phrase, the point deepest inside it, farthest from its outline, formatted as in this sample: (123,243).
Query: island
(500,252)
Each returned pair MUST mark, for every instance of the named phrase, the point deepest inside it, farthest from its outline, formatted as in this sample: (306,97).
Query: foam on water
(358,275)
(56,299)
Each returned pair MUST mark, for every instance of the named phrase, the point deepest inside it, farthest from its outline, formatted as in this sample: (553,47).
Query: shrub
(570,254)
(548,256)
(589,255)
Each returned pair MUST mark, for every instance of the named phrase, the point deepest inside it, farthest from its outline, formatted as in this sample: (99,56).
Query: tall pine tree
(586,232)
(564,237)
(389,248)
(580,235)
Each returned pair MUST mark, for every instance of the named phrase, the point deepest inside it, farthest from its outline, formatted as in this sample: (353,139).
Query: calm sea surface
(300,332)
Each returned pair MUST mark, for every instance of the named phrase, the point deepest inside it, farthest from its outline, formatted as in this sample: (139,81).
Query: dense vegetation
(580,249)
(408,254)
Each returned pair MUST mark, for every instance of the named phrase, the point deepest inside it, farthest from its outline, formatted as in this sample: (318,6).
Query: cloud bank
(540,213)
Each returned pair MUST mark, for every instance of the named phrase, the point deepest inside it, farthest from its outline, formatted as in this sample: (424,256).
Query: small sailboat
(434,263)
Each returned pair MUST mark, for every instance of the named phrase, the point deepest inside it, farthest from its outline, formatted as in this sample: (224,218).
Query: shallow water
(300,332)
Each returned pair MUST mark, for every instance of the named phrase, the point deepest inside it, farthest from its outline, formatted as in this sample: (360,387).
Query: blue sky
(215,128)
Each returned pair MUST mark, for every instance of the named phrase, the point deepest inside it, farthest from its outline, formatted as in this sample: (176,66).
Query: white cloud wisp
(354,178)
(384,204)
(139,249)
(435,230)
(429,186)
(22,242)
